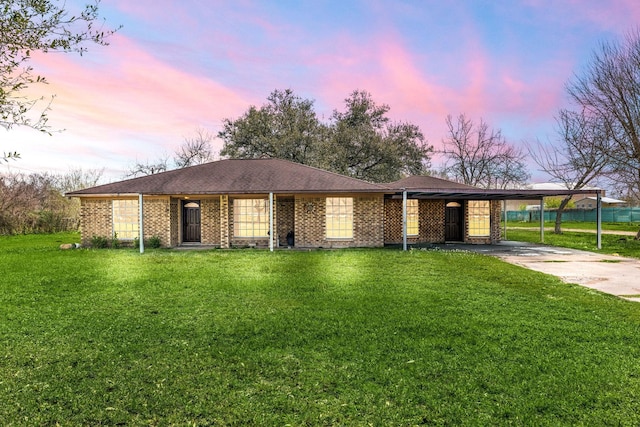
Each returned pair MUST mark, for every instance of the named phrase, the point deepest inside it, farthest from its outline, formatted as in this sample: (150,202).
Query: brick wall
(368,222)
(286,218)
(174,219)
(210,221)
(95,219)
(157,219)
(430,222)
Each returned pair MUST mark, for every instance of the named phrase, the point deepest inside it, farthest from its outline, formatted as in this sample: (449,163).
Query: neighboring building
(561,189)
(237,203)
(591,202)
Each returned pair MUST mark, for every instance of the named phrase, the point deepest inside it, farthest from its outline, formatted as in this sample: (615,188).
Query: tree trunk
(559,211)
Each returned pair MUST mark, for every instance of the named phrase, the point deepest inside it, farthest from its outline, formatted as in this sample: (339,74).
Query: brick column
(224,221)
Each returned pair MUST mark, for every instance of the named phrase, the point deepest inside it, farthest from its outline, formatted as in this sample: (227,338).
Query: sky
(178,66)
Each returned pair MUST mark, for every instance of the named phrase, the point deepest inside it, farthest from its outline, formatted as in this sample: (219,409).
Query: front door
(191,221)
(453,222)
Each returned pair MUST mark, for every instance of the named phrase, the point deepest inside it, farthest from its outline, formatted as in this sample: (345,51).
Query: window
(413,226)
(125,219)
(479,217)
(339,218)
(250,218)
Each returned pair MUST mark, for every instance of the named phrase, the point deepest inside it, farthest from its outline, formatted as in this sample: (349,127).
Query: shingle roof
(239,176)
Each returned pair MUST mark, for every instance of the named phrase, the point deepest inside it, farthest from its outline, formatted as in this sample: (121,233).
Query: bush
(99,242)
(154,242)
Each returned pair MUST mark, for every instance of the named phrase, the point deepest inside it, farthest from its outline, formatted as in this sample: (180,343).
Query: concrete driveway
(607,273)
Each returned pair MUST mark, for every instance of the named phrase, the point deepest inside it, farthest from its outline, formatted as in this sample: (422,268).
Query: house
(274,202)
(591,202)
(514,205)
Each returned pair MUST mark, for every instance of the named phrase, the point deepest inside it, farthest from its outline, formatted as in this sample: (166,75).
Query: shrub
(154,242)
(99,242)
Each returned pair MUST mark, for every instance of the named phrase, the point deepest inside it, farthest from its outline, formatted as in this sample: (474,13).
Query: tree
(140,168)
(579,157)
(479,156)
(360,142)
(29,26)
(609,89)
(195,150)
(365,144)
(286,127)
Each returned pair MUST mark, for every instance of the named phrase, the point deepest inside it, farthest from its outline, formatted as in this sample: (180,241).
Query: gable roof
(237,176)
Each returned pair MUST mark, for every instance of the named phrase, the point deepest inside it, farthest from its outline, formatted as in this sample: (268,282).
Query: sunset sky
(176,66)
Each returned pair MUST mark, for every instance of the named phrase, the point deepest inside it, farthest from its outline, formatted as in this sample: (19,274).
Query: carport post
(599,220)
(271,222)
(504,209)
(404,220)
(541,219)
(141,231)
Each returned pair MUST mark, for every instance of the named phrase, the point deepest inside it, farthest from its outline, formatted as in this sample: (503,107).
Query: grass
(611,243)
(352,337)
(578,225)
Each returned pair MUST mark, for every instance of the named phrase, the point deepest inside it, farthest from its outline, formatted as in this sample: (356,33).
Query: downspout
(542,219)
(141,231)
(271,222)
(404,219)
(599,219)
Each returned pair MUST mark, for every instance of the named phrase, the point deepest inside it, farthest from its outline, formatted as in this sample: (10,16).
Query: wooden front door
(453,222)
(191,221)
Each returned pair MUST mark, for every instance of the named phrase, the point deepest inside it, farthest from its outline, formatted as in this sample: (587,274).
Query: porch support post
(541,219)
(504,209)
(271,222)
(404,220)
(599,220)
(141,230)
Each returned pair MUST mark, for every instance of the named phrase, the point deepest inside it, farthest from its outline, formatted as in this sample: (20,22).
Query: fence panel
(577,215)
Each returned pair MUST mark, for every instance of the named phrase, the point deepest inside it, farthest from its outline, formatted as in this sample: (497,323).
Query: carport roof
(429,187)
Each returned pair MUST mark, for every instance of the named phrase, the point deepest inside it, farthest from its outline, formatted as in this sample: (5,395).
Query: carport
(494,194)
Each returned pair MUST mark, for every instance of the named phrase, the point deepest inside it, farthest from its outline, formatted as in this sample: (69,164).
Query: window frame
(479,218)
(339,218)
(413,217)
(249,222)
(125,219)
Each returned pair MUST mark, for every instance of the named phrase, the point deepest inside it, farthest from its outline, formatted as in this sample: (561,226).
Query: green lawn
(611,243)
(351,337)
(578,225)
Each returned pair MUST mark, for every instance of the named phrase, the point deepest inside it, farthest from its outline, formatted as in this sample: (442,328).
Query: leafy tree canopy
(29,26)
(360,141)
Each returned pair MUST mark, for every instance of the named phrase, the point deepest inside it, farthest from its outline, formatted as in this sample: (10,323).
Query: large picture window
(339,217)
(413,225)
(125,219)
(479,218)
(250,218)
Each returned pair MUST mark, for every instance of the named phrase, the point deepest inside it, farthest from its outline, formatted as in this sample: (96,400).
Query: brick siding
(430,222)
(95,219)
(210,221)
(310,226)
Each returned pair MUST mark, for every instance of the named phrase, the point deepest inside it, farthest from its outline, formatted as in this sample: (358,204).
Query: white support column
(599,220)
(404,220)
(271,222)
(542,220)
(141,223)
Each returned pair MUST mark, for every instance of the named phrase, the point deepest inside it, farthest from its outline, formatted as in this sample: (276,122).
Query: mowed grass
(610,244)
(578,225)
(352,337)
